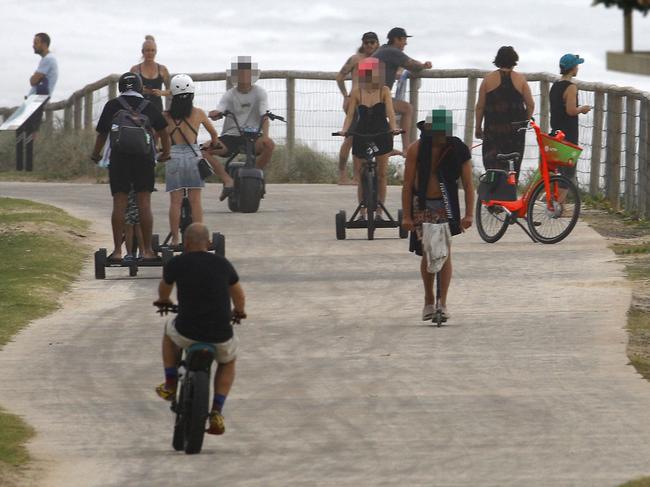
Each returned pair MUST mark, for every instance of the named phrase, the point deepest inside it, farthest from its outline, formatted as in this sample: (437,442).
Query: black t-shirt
(113,106)
(203,283)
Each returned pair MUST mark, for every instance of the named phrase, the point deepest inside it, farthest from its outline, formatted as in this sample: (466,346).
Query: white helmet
(181,84)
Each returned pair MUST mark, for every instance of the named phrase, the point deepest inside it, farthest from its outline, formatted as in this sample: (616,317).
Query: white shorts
(226,351)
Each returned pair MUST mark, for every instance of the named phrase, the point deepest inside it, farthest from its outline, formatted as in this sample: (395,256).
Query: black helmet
(130,81)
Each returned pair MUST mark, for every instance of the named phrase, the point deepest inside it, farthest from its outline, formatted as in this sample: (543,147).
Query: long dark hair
(181,106)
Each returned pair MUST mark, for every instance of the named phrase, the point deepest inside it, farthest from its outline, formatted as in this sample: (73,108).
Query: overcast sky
(94,38)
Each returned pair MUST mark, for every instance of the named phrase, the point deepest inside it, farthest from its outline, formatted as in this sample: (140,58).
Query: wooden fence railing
(619,142)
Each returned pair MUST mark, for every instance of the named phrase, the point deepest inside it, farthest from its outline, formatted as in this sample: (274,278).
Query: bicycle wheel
(195,409)
(370,198)
(491,222)
(551,224)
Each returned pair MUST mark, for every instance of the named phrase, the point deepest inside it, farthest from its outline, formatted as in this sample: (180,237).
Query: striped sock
(218,402)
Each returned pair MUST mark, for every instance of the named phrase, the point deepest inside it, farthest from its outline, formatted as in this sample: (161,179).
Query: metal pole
(291,120)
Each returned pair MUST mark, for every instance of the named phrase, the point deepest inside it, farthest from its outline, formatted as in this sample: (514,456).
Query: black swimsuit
(153,84)
(372,120)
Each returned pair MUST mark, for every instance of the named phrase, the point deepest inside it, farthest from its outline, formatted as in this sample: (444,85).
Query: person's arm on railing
(572,107)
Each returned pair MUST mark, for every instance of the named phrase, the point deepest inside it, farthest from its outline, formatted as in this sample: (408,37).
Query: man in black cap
(393,57)
(369,44)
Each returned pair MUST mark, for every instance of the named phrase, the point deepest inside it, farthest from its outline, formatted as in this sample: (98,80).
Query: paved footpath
(339,382)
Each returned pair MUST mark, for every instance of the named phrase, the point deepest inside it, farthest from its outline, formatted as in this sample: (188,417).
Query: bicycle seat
(512,156)
(199,356)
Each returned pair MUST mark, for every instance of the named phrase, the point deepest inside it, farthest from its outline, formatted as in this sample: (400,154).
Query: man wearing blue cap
(564,104)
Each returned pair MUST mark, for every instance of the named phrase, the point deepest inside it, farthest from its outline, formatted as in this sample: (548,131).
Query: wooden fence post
(630,153)
(291,120)
(596,143)
(112,89)
(88,110)
(67,115)
(414,100)
(49,120)
(644,158)
(544,106)
(77,111)
(613,152)
(469,110)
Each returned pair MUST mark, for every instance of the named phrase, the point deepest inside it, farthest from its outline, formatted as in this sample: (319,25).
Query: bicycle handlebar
(166,308)
(356,134)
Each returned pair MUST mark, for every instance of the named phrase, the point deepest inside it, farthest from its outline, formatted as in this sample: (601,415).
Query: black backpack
(131,131)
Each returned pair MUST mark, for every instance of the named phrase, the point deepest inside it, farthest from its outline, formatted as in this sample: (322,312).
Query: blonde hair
(149,38)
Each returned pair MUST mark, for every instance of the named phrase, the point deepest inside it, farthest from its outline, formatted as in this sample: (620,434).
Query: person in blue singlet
(372,104)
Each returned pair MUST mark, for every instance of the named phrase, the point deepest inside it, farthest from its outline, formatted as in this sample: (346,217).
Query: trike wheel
(219,244)
(100,264)
(550,221)
(340,225)
(491,221)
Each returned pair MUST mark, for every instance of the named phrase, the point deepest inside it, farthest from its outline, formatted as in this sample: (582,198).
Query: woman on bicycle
(182,172)
(372,104)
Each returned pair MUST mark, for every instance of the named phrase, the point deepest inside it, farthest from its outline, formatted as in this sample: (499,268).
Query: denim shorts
(182,169)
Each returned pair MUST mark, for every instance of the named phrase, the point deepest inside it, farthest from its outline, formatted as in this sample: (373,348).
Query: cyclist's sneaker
(427,312)
(445,313)
(166,393)
(217,425)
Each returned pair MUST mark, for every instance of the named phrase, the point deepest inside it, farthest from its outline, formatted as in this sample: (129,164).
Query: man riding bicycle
(206,284)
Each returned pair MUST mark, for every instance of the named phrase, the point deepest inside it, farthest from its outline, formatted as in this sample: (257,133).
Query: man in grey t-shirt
(46,75)
(393,57)
(248,103)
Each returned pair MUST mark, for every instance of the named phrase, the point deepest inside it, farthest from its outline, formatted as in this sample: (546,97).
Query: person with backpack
(130,121)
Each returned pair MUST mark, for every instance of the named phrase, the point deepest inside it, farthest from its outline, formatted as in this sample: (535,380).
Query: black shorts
(126,172)
(234,144)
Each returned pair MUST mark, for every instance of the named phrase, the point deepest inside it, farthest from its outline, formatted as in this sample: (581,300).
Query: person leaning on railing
(393,57)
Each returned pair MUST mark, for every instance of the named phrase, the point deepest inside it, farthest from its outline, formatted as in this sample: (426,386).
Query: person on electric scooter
(430,194)
(206,284)
(248,102)
(181,172)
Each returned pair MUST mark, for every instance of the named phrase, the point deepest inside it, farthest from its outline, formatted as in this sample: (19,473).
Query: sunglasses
(370,42)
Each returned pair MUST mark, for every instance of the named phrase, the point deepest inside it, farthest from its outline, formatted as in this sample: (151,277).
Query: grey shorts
(182,169)
(226,351)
